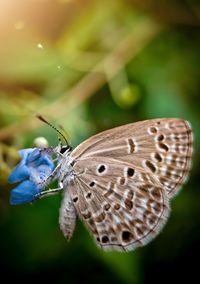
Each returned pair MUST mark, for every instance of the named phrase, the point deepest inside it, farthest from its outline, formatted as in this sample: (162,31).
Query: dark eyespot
(105,239)
(126,236)
(158,157)
(151,166)
(75,199)
(164,147)
(92,184)
(153,130)
(101,169)
(130,172)
(160,137)
(89,195)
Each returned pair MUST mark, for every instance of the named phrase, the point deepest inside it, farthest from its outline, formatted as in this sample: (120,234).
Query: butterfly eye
(64,149)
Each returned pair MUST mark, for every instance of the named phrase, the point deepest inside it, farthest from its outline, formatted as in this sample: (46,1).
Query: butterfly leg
(50,178)
(48,192)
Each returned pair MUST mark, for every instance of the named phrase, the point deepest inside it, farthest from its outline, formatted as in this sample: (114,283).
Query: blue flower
(30,173)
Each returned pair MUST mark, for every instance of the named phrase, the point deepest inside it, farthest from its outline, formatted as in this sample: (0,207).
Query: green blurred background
(90,65)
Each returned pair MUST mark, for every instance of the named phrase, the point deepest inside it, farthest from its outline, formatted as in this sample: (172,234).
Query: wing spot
(117,206)
(157,208)
(131,145)
(155,192)
(122,181)
(127,236)
(153,130)
(163,147)
(128,204)
(151,166)
(130,194)
(101,169)
(160,137)
(130,172)
(106,207)
(75,199)
(139,231)
(92,184)
(113,239)
(100,218)
(110,190)
(176,137)
(87,215)
(105,239)
(152,219)
(158,157)
(88,196)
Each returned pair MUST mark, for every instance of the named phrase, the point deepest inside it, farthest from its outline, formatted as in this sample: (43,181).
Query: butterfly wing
(125,176)
(160,147)
(122,213)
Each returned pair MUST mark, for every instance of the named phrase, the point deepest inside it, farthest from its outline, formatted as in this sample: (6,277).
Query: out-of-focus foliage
(90,65)
(9,157)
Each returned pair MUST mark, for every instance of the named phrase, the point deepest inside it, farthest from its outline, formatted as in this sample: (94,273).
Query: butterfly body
(65,174)
(65,171)
(68,215)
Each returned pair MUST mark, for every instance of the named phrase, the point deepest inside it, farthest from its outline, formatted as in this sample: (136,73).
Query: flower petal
(37,158)
(21,172)
(40,174)
(33,155)
(33,170)
(25,192)
(48,161)
(24,153)
(31,163)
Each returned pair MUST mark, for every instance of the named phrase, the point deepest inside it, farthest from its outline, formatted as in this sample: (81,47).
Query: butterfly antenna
(52,126)
(64,131)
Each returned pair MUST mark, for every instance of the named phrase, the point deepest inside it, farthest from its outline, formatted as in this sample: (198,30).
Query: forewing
(160,147)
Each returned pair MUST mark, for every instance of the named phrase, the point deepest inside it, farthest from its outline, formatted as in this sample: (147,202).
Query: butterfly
(120,181)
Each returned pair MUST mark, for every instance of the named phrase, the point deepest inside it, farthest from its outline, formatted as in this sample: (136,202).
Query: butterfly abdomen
(67,218)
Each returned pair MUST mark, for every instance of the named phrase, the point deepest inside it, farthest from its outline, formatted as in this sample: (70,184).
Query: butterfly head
(60,149)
